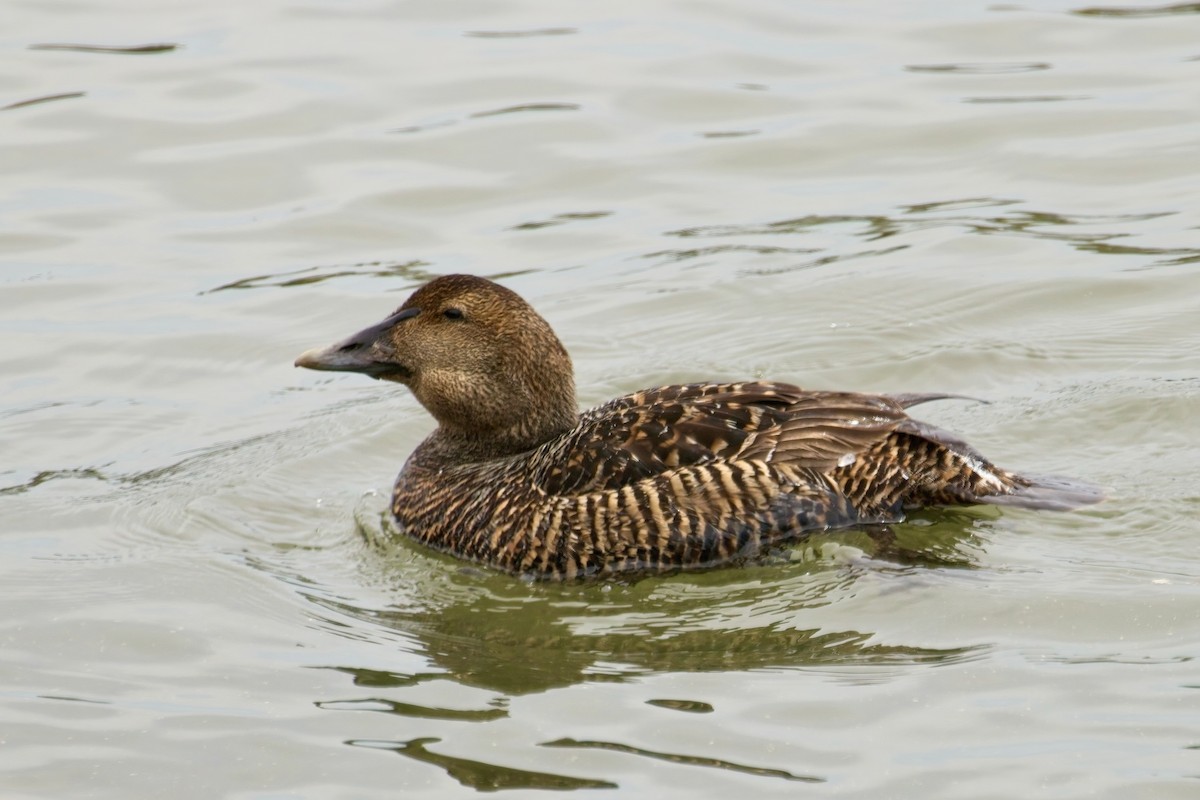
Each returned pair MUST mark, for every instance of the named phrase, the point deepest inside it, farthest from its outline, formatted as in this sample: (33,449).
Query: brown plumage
(675,477)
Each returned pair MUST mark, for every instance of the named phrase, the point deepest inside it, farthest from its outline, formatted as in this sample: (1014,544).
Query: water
(998,201)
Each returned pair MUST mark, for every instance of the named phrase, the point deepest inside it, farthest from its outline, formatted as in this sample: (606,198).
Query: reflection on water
(506,636)
(691,761)
(688,706)
(478,626)
(414,711)
(479,774)
(491,648)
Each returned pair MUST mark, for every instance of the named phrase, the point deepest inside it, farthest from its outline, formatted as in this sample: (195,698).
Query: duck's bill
(333,360)
(369,351)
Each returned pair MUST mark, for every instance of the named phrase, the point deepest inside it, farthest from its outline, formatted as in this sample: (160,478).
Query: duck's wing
(699,474)
(824,430)
(650,432)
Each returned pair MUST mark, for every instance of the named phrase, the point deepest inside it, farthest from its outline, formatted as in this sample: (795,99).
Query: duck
(671,478)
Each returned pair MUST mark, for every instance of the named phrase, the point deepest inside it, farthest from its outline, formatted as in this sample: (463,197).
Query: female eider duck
(662,479)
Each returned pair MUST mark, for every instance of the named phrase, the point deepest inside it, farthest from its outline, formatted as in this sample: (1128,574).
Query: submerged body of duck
(676,477)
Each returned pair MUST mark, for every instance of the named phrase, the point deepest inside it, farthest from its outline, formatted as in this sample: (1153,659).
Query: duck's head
(475,354)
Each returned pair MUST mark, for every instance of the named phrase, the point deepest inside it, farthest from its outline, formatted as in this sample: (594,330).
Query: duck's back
(696,475)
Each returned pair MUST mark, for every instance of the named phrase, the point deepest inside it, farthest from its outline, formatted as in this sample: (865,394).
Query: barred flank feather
(697,475)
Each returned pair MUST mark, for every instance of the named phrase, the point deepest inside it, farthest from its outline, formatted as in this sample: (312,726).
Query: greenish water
(199,598)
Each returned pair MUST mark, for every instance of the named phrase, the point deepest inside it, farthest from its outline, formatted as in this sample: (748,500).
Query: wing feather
(647,433)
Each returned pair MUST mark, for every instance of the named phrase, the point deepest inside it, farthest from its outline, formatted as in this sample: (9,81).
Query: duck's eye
(453,313)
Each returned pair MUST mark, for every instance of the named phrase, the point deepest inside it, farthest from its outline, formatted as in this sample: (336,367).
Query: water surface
(995,200)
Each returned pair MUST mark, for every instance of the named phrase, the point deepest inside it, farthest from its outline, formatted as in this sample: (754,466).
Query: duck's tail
(941,469)
(967,477)
(1048,492)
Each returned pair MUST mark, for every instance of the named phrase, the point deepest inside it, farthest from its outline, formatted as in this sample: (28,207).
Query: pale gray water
(994,200)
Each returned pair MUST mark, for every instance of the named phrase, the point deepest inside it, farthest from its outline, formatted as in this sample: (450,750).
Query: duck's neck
(449,446)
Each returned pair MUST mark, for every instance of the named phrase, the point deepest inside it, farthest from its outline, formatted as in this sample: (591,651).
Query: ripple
(445,123)
(1174,256)
(69,699)
(1118,658)
(1000,68)
(134,49)
(44,476)
(720,249)
(481,775)
(819,233)
(411,271)
(44,99)
(520,108)
(728,134)
(690,761)
(1032,98)
(521,34)
(562,219)
(527,107)
(1138,11)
